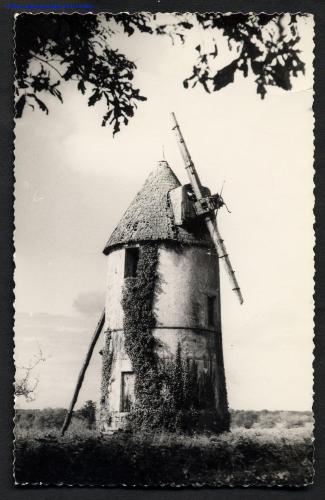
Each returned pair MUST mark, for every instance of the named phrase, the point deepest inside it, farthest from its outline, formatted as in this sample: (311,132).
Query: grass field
(263,448)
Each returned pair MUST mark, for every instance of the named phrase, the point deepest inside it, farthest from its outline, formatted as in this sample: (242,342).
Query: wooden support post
(81,376)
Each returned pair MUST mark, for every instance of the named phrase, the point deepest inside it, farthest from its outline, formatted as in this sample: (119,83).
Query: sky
(74,181)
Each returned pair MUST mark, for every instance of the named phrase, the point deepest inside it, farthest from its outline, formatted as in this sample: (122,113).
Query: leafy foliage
(88,413)
(252,457)
(187,397)
(53,48)
(40,420)
(107,360)
(139,320)
(170,393)
(264,45)
(51,419)
(107,355)
(266,419)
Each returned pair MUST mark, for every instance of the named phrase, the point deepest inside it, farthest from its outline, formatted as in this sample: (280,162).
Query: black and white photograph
(164,262)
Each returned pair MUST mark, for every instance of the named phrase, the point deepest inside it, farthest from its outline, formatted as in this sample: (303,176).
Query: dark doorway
(127,392)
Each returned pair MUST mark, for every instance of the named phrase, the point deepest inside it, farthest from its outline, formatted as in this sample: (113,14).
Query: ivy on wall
(188,396)
(139,320)
(107,355)
(170,393)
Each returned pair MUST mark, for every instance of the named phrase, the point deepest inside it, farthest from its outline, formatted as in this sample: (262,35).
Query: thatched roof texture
(150,216)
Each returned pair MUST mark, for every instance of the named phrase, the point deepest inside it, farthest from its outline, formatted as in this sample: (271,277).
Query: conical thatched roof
(150,216)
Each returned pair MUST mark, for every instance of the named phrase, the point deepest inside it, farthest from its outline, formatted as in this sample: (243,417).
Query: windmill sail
(209,218)
(222,254)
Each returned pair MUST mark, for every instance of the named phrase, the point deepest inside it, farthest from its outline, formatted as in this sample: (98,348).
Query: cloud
(89,302)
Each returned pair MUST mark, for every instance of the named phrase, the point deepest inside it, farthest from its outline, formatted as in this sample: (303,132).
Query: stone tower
(180,301)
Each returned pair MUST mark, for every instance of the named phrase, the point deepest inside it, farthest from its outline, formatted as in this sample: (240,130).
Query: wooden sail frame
(210,218)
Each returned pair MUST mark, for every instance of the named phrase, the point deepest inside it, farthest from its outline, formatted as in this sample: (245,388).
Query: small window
(211,305)
(131,262)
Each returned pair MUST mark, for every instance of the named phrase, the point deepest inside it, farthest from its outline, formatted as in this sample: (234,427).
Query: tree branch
(48,63)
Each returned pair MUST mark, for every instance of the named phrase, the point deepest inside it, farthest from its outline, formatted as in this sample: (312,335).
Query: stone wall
(186,277)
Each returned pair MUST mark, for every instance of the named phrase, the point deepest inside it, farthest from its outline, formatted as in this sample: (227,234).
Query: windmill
(177,223)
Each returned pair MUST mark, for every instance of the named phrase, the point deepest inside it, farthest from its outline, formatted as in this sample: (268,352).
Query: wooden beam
(81,376)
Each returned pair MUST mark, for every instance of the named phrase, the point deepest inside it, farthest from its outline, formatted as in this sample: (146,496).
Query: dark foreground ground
(270,451)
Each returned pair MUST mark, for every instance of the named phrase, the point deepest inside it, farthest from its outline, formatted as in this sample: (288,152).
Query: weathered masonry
(176,309)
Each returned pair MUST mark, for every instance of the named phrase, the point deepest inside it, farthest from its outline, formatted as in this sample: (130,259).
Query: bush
(269,419)
(241,457)
(51,419)
(263,448)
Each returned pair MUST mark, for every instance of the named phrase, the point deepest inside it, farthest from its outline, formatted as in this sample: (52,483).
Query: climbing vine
(186,391)
(169,393)
(107,355)
(139,320)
